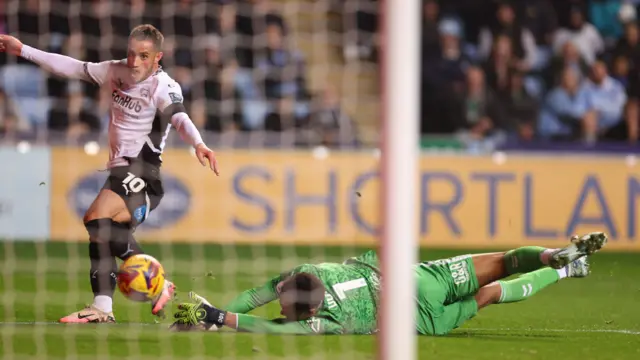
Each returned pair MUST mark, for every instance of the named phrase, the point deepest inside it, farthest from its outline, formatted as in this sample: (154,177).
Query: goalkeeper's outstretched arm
(261,295)
(301,296)
(254,298)
(63,66)
(203,314)
(254,324)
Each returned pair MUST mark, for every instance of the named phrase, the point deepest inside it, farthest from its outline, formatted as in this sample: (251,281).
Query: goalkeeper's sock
(525,259)
(528,284)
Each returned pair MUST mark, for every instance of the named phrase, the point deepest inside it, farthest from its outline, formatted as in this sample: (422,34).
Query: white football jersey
(140,113)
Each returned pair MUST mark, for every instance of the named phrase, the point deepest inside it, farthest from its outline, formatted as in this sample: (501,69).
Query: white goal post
(400,33)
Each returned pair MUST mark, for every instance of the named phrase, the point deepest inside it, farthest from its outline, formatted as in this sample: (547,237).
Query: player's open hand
(206,155)
(10,44)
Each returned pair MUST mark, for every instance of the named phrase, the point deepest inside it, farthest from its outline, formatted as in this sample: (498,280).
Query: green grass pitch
(593,318)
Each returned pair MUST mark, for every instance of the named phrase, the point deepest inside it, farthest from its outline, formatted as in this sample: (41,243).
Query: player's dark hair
(148,32)
(306,291)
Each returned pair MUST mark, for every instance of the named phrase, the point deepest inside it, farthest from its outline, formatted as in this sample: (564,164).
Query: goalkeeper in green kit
(333,298)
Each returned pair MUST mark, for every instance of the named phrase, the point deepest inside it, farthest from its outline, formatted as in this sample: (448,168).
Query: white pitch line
(615,331)
(9,323)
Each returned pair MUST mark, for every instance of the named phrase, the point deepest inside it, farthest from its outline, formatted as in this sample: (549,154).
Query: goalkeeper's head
(144,51)
(301,296)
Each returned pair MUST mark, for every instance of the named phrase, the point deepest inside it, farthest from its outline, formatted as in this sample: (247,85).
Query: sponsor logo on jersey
(174,205)
(139,213)
(175,98)
(126,101)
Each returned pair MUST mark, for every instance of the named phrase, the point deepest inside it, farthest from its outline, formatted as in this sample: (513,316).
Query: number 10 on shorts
(133,183)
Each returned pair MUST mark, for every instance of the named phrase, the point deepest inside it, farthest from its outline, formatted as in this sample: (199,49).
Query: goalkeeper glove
(198,313)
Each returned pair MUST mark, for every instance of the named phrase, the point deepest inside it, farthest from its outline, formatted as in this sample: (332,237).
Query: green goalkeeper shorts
(445,294)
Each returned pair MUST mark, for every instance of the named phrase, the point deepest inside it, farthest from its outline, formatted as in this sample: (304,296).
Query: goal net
(286,92)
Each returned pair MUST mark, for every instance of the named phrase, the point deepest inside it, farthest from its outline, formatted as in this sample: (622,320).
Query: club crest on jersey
(144,92)
(126,101)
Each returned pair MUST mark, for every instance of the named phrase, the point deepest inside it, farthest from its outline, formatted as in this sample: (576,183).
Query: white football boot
(578,268)
(580,246)
(89,314)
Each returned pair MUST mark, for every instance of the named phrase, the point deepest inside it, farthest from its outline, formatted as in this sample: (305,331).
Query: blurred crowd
(531,70)
(233,60)
(493,71)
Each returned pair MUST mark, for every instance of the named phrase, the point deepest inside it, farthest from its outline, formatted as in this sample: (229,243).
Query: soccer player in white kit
(146,103)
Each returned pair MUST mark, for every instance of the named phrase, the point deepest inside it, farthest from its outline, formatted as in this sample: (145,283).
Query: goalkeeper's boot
(161,301)
(89,314)
(580,246)
(578,268)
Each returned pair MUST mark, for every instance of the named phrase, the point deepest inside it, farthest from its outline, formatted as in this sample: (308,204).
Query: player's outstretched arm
(254,298)
(202,315)
(63,66)
(255,324)
(262,295)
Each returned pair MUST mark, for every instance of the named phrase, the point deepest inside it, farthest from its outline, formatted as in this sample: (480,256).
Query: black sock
(103,271)
(103,265)
(123,244)
(108,239)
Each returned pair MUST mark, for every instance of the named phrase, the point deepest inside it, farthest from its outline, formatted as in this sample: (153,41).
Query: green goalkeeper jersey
(350,303)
